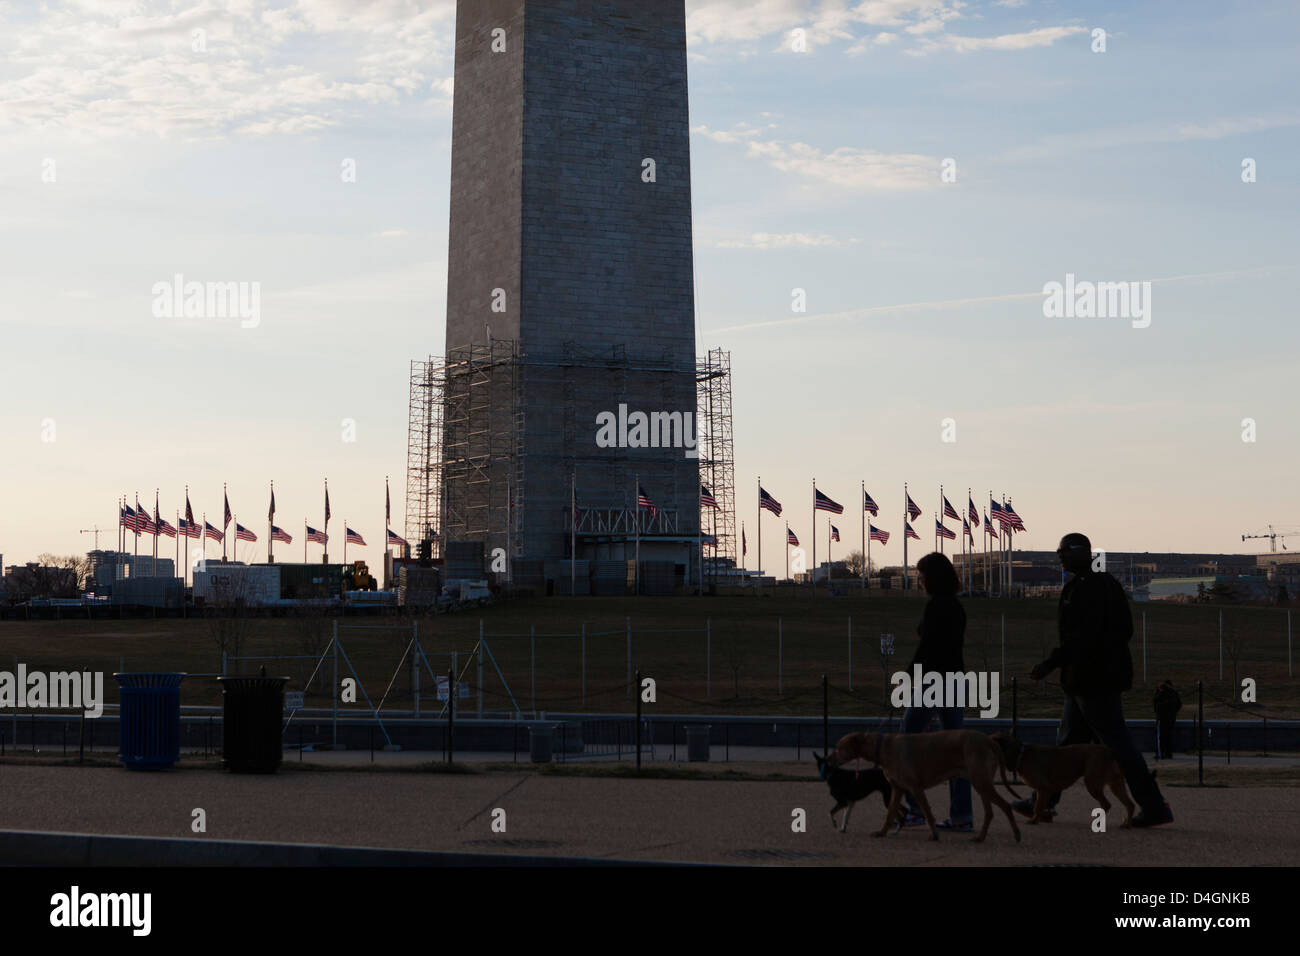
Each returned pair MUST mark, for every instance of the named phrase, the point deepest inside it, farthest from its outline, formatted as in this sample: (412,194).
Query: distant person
(1095,625)
(942,630)
(1167,704)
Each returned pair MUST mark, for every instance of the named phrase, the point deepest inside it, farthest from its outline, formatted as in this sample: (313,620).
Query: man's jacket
(1094,625)
(1167,703)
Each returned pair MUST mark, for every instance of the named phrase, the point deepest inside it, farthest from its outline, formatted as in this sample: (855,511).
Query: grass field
(733,668)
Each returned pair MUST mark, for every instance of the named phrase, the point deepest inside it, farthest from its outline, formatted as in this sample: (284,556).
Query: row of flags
(137,520)
(1002,512)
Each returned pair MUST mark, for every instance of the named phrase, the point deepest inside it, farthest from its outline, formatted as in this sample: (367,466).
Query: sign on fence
(462,689)
(293,700)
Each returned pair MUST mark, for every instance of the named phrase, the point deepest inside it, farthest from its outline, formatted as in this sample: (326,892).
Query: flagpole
(787,551)
(636,554)
(814,541)
(942,515)
(203,538)
(135,560)
(345,542)
(1011,536)
(304,540)
(864,535)
(906,515)
(758,578)
(270,523)
(325,552)
(699,537)
(990,573)
(573,529)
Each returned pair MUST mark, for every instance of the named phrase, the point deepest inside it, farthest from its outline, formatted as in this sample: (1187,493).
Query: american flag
(243,534)
(877,535)
(189,512)
(353,537)
(314,536)
(225,524)
(279,534)
(767,501)
(270,515)
(835,533)
(643,501)
(996,511)
(327,505)
(213,533)
(189,529)
(909,533)
(394,538)
(822,503)
(913,509)
(949,511)
(943,532)
(744,544)
(965,529)
(143,523)
(791,538)
(165,528)
(870,506)
(388,506)
(706,498)
(126,517)
(1014,518)
(974,512)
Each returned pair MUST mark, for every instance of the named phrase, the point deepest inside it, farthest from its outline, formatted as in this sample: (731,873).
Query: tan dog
(915,762)
(1052,769)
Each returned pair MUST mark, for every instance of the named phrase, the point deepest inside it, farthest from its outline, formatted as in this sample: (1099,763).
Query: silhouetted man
(1167,704)
(1095,626)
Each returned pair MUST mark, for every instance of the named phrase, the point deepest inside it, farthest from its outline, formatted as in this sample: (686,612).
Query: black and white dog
(848,787)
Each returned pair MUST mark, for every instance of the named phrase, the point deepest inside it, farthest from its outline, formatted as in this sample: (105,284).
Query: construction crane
(96,532)
(1274,535)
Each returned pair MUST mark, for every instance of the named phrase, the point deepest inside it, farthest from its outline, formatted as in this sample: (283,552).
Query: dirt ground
(709,820)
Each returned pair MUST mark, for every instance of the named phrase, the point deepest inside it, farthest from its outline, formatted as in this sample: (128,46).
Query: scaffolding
(717,459)
(424,452)
(465,462)
(466,454)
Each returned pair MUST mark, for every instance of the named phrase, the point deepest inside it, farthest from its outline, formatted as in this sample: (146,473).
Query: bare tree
(1234,645)
(230,624)
(310,622)
(853,563)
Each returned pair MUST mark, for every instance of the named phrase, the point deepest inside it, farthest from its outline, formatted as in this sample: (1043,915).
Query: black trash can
(541,738)
(150,720)
(252,722)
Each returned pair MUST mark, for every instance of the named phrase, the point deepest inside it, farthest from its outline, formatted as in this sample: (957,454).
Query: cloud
(102,70)
(745,21)
(853,314)
(1044,36)
(783,240)
(1138,134)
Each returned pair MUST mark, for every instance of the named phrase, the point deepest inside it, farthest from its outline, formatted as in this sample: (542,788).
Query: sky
(920,169)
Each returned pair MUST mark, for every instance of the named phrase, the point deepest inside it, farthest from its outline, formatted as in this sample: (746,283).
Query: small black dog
(848,787)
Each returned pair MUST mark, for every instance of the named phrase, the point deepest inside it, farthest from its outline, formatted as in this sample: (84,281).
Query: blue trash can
(150,719)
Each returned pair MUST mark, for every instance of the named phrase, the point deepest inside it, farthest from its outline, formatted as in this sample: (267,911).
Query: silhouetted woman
(942,630)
